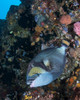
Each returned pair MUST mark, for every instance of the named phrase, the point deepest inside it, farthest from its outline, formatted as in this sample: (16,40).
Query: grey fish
(47,66)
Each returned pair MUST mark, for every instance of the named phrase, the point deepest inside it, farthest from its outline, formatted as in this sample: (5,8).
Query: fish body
(47,66)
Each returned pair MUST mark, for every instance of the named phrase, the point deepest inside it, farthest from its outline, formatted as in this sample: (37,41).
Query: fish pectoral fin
(36,70)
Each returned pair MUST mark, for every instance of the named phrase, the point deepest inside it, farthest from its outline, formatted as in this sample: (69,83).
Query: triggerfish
(46,67)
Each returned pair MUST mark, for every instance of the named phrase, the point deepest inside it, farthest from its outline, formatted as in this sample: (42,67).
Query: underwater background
(5,5)
(26,28)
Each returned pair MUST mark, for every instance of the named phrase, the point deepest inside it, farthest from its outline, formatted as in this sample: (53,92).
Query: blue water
(5,5)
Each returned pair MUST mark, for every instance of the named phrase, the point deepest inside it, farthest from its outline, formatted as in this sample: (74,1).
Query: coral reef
(65,19)
(23,33)
(77,28)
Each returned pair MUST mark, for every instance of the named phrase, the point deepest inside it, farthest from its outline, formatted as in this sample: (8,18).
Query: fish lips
(30,79)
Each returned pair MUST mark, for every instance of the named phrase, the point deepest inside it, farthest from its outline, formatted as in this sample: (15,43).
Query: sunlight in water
(5,5)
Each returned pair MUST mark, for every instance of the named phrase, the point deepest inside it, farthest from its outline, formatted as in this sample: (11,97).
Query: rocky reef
(22,33)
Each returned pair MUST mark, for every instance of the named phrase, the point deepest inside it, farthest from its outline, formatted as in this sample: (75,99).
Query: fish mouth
(29,82)
(30,79)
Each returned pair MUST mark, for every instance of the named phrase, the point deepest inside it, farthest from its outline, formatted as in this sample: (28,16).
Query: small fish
(47,66)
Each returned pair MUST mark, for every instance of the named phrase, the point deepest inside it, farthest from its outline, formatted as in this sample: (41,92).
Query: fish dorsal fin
(44,46)
(36,70)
